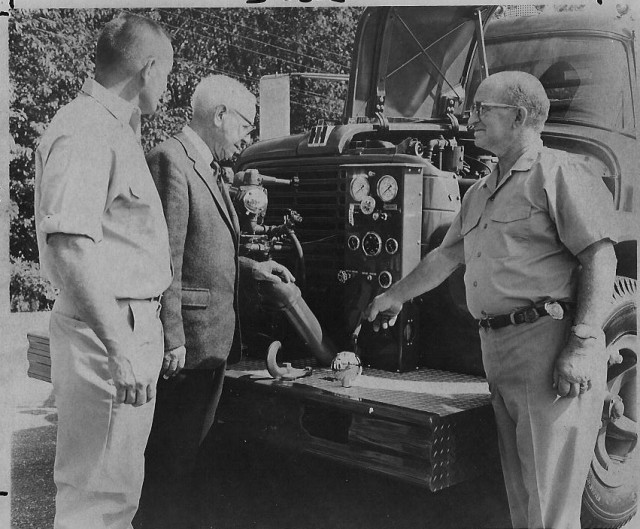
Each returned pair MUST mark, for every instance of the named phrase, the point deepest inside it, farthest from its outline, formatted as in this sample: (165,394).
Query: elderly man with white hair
(199,309)
(536,238)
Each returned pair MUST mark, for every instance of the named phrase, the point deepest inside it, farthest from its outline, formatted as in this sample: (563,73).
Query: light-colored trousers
(99,464)
(546,442)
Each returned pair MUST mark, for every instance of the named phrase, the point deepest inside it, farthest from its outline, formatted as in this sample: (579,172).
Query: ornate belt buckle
(530,315)
(554,309)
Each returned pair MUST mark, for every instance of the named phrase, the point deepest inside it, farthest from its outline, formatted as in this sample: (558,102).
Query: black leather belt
(155,298)
(556,309)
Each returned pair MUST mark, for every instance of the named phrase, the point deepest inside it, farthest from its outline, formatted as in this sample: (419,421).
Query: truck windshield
(586,78)
(424,60)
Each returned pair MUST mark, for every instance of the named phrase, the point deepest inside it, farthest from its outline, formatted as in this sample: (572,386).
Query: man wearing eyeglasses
(537,241)
(198,313)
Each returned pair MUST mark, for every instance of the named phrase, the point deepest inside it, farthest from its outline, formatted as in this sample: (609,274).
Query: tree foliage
(51,54)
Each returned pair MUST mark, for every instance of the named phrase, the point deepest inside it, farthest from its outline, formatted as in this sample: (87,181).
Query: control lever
(356,333)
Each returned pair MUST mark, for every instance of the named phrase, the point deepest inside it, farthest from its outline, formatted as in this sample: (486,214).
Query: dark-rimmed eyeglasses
(480,108)
(249,127)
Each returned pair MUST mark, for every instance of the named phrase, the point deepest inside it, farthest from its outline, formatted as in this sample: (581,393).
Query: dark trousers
(174,489)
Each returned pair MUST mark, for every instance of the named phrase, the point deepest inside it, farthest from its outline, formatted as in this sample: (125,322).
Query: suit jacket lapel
(206,173)
(230,208)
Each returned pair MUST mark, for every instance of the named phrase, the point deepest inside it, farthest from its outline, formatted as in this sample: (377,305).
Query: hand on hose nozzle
(272,272)
(383,311)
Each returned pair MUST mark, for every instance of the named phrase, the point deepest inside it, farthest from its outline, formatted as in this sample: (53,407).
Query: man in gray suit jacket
(199,309)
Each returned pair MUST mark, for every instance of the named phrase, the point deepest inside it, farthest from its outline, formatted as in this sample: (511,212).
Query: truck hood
(408,58)
(322,140)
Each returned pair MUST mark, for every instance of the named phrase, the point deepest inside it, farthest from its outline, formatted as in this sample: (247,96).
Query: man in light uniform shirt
(103,242)
(536,238)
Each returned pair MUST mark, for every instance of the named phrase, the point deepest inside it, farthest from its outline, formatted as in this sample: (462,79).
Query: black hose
(301,267)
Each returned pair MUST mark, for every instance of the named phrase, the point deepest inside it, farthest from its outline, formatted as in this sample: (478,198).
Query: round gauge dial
(391,245)
(385,279)
(353,242)
(359,187)
(387,188)
(367,205)
(371,244)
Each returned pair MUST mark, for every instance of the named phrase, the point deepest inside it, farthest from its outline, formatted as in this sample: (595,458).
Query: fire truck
(352,206)
(373,193)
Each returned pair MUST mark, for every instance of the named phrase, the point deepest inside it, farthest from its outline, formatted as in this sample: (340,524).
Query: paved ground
(27,430)
(256,487)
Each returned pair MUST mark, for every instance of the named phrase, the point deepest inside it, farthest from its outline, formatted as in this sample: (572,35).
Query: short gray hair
(127,39)
(217,90)
(525,90)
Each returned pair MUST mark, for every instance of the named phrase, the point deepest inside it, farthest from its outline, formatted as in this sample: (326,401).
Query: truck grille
(320,202)
(320,199)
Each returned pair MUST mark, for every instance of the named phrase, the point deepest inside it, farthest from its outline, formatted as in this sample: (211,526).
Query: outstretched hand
(383,311)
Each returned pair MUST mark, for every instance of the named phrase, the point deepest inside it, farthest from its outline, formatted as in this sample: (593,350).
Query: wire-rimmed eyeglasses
(480,108)
(249,127)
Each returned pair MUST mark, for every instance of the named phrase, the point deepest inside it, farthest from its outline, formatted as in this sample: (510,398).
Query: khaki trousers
(99,464)
(546,442)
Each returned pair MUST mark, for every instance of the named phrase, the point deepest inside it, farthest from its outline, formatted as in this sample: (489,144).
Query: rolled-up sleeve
(581,207)
(74,181)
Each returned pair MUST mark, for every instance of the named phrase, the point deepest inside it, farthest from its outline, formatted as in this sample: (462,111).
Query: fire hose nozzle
(283,373)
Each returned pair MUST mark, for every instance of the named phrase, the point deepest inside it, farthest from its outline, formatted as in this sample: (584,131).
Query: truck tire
(610,498)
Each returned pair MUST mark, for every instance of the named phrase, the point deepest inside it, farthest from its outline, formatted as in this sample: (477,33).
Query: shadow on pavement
(258,487)
(254,486)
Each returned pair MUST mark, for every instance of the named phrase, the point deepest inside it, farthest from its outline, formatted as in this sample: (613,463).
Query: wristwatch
(584,331)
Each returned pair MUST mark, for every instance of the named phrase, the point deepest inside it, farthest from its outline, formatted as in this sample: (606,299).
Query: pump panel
(383,231)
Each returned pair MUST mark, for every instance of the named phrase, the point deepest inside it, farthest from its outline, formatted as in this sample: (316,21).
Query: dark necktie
(217,174)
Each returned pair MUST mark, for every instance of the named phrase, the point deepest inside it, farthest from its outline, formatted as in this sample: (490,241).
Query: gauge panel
(388,222)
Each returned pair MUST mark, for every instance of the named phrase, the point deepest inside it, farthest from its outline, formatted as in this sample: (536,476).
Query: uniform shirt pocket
(195,298)
(514,220)
(512,213)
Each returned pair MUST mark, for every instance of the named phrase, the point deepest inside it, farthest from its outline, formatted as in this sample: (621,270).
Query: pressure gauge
(353,242)
(371,244)
(387,188)
(391,245)
(367,205)
(359,187)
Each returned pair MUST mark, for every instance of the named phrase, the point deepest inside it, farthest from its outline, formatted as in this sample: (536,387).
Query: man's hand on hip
(130,389)
(173,362)
(576,365)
